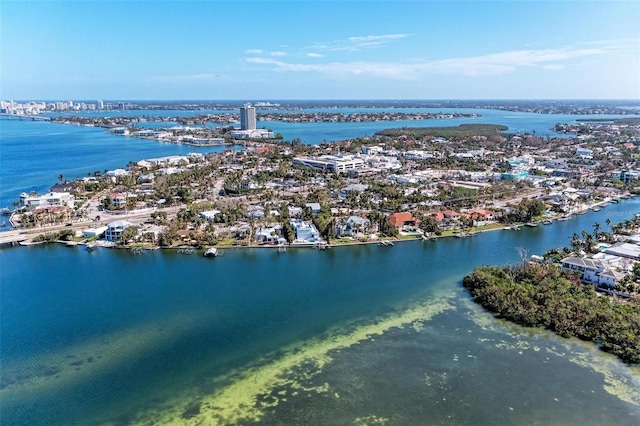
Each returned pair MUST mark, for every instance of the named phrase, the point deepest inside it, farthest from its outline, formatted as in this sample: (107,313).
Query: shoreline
(319,245)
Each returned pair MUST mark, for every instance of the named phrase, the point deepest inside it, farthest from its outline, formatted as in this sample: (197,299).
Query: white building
(593,271)
(252,134)
(305,232)
(372,150)
(334,163)
(115,229)
(94,232)
(584,153)
(50,199)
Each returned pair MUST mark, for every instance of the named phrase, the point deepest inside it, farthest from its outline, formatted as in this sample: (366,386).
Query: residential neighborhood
(410,185)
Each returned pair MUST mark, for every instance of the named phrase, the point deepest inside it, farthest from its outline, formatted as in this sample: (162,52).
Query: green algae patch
(617,381)
(370,420)
(257,389)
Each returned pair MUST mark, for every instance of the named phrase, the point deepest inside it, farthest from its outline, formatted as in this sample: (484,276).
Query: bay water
(361,332)
(350,335)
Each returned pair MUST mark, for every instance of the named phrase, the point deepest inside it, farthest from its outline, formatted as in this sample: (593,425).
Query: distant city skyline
(197,50)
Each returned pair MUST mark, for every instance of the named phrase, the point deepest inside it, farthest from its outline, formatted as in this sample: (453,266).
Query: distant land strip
(463,130)
(631,121)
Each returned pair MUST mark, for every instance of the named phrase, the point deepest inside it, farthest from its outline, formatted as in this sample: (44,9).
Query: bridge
(13,237)
(24,117)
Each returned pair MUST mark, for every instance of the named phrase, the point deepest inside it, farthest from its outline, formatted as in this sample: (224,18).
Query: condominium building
(247,117)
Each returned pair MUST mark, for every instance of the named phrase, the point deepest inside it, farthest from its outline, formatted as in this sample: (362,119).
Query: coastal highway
(24,236)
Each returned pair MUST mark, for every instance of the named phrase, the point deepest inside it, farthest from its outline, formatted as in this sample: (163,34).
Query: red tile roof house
(403,221)
(447,219)
(118,199)
(482,217)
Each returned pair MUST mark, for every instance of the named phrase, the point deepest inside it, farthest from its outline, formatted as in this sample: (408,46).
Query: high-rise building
(100,104)
(247,117)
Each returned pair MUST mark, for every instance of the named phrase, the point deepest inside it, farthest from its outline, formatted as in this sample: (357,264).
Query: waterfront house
(482,217)
(352,225)
(404,221)
(50,199)
(593,271)
(115,229)
(305,232)
(451,215)
(94,232)
(270,235)
(626,250)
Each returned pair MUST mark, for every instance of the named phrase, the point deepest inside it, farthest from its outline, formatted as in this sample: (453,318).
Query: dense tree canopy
(546,296)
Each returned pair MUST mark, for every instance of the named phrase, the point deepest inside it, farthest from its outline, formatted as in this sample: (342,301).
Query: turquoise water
(108,336)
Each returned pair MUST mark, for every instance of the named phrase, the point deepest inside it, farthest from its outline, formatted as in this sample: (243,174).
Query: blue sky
(257,50)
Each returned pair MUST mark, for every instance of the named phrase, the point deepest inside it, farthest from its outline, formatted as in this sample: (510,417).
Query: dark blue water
(33,154)
(111,335)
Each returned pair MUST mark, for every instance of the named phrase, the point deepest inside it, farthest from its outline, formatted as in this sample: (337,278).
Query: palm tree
(596,230)
(575,242)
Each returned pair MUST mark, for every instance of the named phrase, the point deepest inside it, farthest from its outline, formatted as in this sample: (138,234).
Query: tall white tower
(247,117)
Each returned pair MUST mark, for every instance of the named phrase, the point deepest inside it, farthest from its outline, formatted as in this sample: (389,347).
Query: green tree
(128,234)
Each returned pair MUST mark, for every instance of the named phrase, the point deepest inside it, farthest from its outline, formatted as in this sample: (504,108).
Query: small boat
(91,246)
(547,221)
(564,218)
(595,209)
(187,251)
(531,224)
(385,243)
(211,252)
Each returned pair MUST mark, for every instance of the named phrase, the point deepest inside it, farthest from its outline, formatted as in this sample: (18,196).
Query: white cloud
(314,55)
(489,64)
(278,53)
(254,51)
(358,42)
